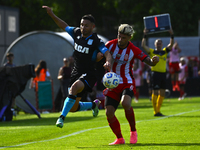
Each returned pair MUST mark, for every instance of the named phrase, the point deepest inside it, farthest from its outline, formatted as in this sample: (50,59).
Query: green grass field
(179,130)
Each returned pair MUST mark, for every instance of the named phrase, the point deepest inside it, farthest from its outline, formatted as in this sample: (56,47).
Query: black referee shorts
(158,80)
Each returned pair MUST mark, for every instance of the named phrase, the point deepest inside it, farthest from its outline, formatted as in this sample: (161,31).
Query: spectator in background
(174,66)
(199,69)
(190,68)
(148,80)
(42,74)
(137,73)
(195,68)
(182,77)
(9,63)
(10,58)
(64,77)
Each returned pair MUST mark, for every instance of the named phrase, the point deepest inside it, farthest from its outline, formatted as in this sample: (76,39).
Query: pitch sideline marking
(75,133)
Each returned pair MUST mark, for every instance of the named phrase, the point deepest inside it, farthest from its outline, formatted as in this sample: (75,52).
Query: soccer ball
(110,80)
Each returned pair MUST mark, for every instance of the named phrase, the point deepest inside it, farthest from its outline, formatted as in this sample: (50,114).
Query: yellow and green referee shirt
(161,65)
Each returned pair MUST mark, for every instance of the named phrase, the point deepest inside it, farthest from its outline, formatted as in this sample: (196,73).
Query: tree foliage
(109,14)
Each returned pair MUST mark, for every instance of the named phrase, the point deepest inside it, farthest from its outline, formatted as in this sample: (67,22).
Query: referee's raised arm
(62,24)
(143,44)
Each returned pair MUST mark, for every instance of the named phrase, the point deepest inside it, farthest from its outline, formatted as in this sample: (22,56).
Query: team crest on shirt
(126,57)
(90,41)
(78,37)
(118,56)
(131,87)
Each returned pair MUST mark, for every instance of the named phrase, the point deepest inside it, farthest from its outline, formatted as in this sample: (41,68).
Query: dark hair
(42,65)
(89,17)
(9,54)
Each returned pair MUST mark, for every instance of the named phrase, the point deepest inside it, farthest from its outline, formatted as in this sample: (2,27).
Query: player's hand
(48,9)
(107,66)
(155,59)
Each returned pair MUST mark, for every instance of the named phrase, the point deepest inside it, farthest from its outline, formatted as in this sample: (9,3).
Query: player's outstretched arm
(170,45)
(57,20)
(108,56)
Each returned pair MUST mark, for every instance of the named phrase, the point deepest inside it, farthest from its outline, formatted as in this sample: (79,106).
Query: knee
(77,87)
(110,113)
(126,106)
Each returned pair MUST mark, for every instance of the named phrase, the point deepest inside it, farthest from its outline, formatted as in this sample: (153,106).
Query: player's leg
(89,81)
(171,71)
(69,102)
(137,94)
(110,108)
(81,106)
(177,70)
(129,113)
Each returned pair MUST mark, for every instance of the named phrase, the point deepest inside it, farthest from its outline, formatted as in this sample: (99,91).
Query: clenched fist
(155,59)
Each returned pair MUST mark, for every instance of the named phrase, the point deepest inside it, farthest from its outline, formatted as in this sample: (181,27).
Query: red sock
(173,83)
(177,83)
(130,116)
(137,95)
(181,93)
(115,126)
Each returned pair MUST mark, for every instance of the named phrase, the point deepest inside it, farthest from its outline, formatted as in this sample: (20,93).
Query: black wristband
(145,36)
(172,36)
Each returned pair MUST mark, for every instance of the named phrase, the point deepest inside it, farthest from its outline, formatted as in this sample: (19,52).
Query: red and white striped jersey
(123,59)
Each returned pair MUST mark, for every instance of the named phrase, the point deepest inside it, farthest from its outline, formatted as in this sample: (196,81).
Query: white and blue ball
(110,80)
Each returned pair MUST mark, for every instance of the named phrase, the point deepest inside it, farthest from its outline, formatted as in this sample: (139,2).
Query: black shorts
(89,79)
(115,103)
(158,80)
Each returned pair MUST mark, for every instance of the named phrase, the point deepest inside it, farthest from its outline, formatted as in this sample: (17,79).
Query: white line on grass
(75,133)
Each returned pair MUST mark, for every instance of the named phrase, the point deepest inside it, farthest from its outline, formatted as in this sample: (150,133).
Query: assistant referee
(158,72)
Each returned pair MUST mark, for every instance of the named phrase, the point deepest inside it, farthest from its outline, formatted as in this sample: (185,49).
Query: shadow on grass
(43,121)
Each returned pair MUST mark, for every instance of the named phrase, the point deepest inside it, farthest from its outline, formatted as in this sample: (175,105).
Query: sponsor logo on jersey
(90,41)
(131,88)
(120,61)
(118,55)
(81,49)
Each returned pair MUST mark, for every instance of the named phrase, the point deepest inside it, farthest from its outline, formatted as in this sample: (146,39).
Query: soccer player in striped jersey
(123,54)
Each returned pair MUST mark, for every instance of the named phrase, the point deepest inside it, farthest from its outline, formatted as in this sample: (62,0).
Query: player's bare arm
(57,20)
(107,64)
(170,45)
(151,62)
(144,45)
